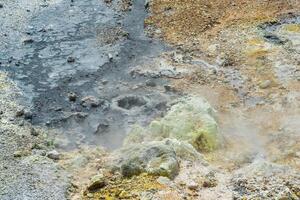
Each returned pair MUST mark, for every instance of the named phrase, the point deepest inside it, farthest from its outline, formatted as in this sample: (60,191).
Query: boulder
(155,158)
(159,158)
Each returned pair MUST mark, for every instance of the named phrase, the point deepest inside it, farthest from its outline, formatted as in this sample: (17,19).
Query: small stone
(72,96)
(90,101)
(110,57)
(265,84)
(163,180)
(57,109)
(28,41)
(210,182)
(192,185)
(90,195)
(1,5)
(33,132)
(20,112)
(18,154)
(123,194)
(150,83)
(147,4)
(169,88)
(54,155)
(104,82)
(28,115)
(97,182)
(71,59)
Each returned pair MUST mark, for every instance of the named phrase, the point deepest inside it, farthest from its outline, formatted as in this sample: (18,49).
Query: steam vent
(149,99)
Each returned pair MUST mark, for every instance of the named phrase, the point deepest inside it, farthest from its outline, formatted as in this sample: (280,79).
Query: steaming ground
(76,76)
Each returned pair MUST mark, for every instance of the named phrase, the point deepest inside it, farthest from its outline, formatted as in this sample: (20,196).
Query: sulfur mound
(191,119)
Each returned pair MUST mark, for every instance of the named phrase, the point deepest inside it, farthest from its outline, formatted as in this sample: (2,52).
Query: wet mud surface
(84,49)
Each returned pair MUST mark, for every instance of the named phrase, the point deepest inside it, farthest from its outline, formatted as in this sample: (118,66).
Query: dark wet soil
(85,48)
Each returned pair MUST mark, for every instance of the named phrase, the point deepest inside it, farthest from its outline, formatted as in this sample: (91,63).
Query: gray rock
(20,112)
(54,155)
(265,84)
(150,83)
(90,101)
(28,115)
(97,182)
(110,57)
(34,132)
(70,59)
(164,181)
(28,41)
(72,96)
(154,158)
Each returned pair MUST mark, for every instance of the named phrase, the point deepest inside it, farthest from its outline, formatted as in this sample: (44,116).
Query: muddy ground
(76,76)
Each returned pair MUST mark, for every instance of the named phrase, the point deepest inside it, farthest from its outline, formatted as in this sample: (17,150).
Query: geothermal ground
(155,99)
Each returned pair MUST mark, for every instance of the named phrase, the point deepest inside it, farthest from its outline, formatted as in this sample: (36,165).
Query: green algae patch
(191,119)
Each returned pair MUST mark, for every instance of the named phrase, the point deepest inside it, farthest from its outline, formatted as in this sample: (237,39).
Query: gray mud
(86,47)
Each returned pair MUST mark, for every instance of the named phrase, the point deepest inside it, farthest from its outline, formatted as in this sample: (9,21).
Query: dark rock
(90,101)
(28,115)
(28,41)
(20,112)
(274,39)
(147,4)
(54,155)
(169,88)
(57,109)
(71,59)
(72,96)
(1,5)
(129,102)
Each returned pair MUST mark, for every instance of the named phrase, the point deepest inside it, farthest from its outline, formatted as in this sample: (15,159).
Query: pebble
(54,155)
(192,185)
(20,153)
(28,115)
(104,82)
(72,96)
(90,101)
(265,84)
(97,182)
(71,59)
(110,57)
(28,41)
(150,83)
(1,5)
(20,112)
(169,88)
(163,180)
(33,132)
